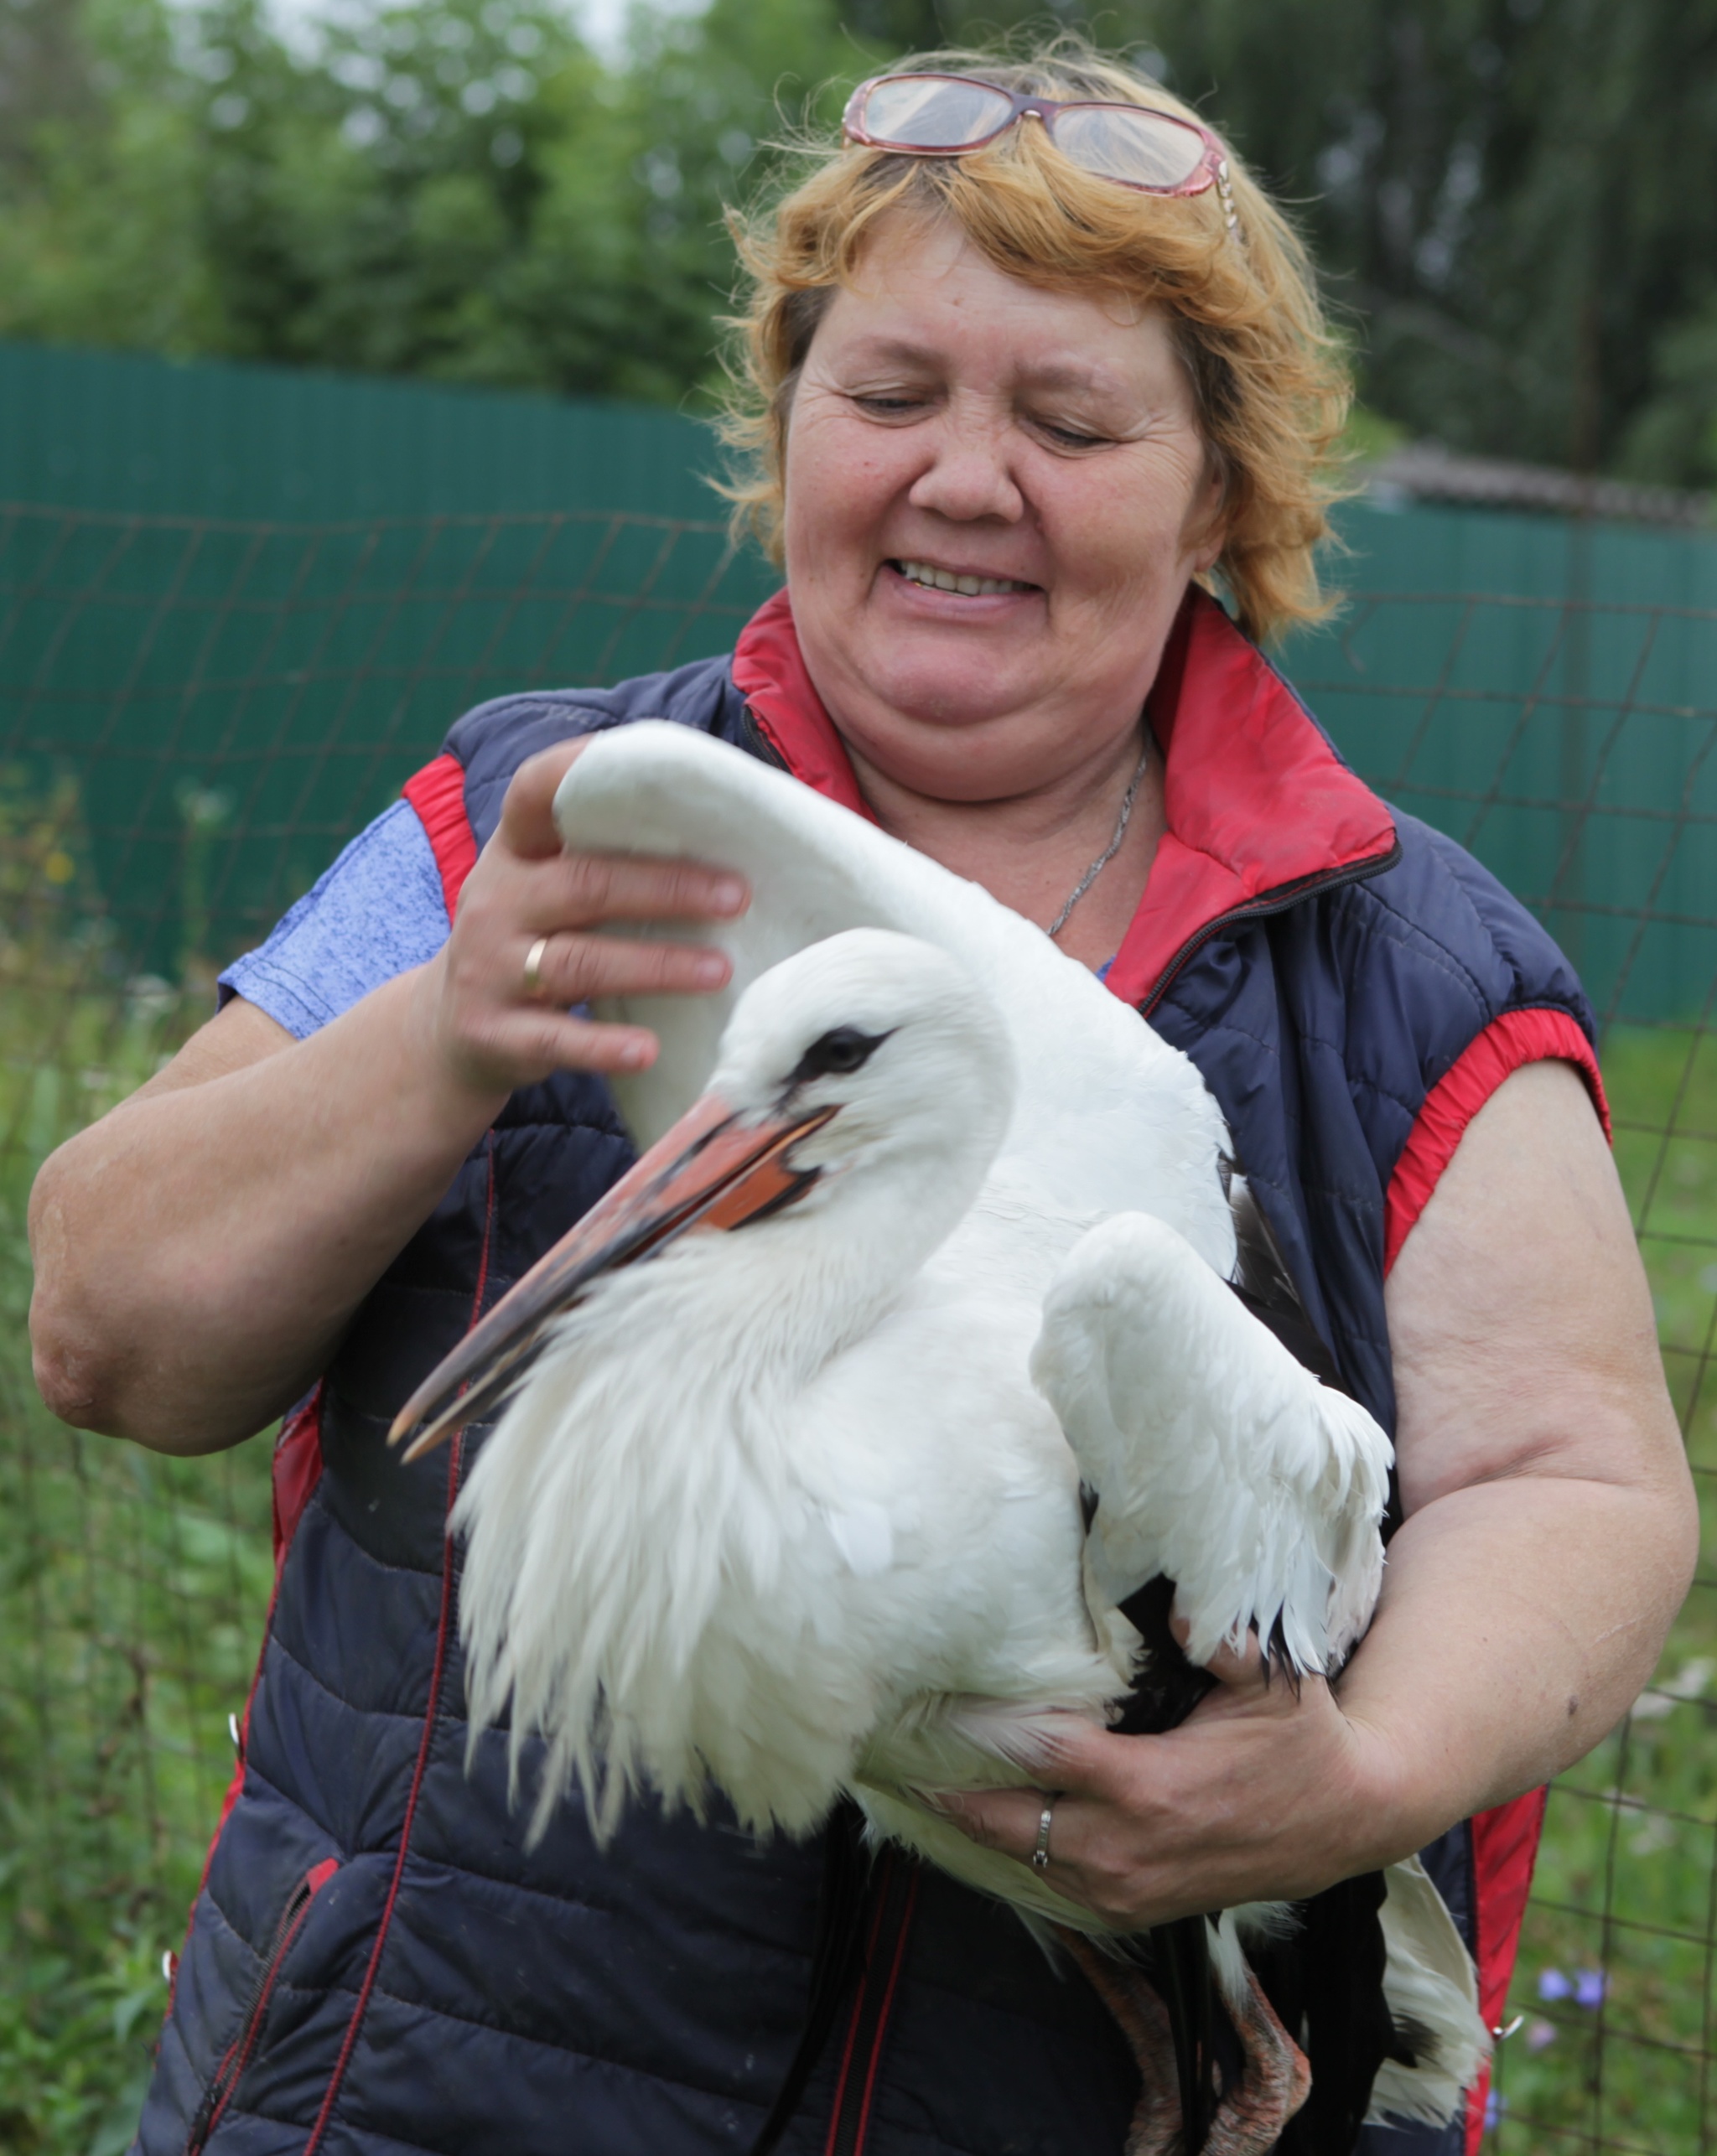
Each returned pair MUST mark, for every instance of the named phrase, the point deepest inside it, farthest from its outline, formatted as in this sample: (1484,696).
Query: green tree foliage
(1515,201)
(1518,197)
(458,189)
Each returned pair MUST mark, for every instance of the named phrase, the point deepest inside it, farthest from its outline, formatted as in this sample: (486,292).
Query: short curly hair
(1271,381)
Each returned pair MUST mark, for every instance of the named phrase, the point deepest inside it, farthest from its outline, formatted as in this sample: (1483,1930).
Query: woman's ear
(1205,533)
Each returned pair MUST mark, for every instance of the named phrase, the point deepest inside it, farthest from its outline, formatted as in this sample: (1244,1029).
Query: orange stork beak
(711,1170)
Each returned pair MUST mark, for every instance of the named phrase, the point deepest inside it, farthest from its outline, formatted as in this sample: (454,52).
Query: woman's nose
(968,475)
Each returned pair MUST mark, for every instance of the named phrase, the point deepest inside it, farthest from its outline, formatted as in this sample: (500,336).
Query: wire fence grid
(195,714)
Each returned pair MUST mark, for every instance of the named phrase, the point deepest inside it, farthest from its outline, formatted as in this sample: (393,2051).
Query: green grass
(133,1590)
(132,1587)
(1626,1880)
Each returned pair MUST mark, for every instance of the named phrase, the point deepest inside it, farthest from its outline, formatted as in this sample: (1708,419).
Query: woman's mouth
(954,580)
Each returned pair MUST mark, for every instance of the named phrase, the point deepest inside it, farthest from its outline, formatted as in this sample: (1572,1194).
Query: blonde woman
(1034,371)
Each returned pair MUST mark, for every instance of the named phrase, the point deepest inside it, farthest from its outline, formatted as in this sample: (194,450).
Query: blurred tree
(44,73)
(100,228)
(452,187)
(1516,200)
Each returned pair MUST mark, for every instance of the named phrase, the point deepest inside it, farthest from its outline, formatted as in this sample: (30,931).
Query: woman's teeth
(945,580)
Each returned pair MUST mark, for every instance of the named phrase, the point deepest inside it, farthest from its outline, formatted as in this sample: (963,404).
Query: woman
(1025,379)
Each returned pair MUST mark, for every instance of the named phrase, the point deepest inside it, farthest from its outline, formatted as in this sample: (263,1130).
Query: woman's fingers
(1087,1862)
(528,812)
(1241,1669)
(579,890)
(1265,1792)
(521,955)
(573,967)
(536,1039)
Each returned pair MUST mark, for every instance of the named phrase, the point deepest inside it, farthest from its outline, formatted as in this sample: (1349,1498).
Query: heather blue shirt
(377,911)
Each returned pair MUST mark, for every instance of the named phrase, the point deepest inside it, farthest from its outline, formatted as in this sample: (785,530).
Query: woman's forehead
(918,297)
(907,253)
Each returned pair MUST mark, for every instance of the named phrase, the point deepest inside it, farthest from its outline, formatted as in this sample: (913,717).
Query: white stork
(797,1512)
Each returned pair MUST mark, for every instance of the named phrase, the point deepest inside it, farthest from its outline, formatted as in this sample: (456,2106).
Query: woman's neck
(1032,851)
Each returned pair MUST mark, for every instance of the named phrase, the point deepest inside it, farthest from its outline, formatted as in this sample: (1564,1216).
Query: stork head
(866,1072)
(877,1046)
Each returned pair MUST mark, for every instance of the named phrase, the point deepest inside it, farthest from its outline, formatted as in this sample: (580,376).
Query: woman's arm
(1552,1530)
(200,1249)
(1550,1538)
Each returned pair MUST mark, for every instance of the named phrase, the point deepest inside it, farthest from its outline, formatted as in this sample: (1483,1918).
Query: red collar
(770,673)
(1260,808)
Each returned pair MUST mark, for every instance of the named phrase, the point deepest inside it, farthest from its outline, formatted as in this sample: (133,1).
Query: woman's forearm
(1551,1529)
(198,1250)
(1519,1618)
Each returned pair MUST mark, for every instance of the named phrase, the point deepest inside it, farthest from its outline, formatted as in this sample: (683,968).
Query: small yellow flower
(58,867)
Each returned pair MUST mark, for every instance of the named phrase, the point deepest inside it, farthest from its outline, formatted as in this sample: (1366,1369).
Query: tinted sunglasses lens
(933,112)
(1146,149)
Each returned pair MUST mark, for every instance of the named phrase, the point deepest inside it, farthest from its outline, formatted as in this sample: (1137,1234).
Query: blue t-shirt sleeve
(379,910)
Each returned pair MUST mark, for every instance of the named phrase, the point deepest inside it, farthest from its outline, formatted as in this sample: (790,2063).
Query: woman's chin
(951,683)
(937,739)
(944,706)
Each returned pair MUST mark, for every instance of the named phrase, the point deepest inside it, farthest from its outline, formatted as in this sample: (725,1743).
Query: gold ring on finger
(534,968)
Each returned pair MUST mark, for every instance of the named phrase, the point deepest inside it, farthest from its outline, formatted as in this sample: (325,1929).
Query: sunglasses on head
(946,116)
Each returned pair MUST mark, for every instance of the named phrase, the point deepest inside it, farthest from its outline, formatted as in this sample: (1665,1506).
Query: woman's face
(953,422)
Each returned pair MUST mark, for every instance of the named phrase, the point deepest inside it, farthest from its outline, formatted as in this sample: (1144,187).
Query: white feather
(1218,1460)
(1433,1992)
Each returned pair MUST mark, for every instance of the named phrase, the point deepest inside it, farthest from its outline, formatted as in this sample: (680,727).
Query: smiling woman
(1224,273)
(1040,412)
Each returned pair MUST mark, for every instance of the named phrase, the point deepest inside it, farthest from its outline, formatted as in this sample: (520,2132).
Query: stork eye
(837,1054)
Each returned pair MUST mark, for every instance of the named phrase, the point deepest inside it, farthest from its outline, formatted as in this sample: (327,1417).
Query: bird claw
(1250,2116)
(1276,2083)
(1143,2019)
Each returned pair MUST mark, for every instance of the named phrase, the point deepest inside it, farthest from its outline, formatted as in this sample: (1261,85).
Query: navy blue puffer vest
(376,1965)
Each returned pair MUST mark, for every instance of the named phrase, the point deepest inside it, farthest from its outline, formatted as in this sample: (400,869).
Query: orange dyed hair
(1271,382)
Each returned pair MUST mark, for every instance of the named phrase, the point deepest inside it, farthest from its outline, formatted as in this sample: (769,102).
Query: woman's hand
(490,1031)
(1267,1791)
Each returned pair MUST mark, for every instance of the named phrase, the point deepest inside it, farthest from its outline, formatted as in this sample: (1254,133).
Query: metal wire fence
(195,714)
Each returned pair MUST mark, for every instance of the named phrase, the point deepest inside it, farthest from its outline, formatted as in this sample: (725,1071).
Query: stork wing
(1218,1462)
(1108,1114)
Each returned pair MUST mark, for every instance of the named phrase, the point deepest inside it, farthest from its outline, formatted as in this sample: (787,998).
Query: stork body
(814,1502)
(795,1508)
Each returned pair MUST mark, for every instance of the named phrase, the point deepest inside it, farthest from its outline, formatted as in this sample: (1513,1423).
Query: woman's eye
(886,404)
(1070,437)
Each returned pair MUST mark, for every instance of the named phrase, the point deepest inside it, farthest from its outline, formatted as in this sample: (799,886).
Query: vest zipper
(758,742)
(1273,902)
(237,2055)
(896,1893)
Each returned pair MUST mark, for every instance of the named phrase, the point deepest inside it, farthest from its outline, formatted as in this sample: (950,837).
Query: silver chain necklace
(1108,852)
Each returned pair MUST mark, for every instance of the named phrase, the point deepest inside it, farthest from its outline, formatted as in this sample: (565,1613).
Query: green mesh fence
(194,715)
(1569,745)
